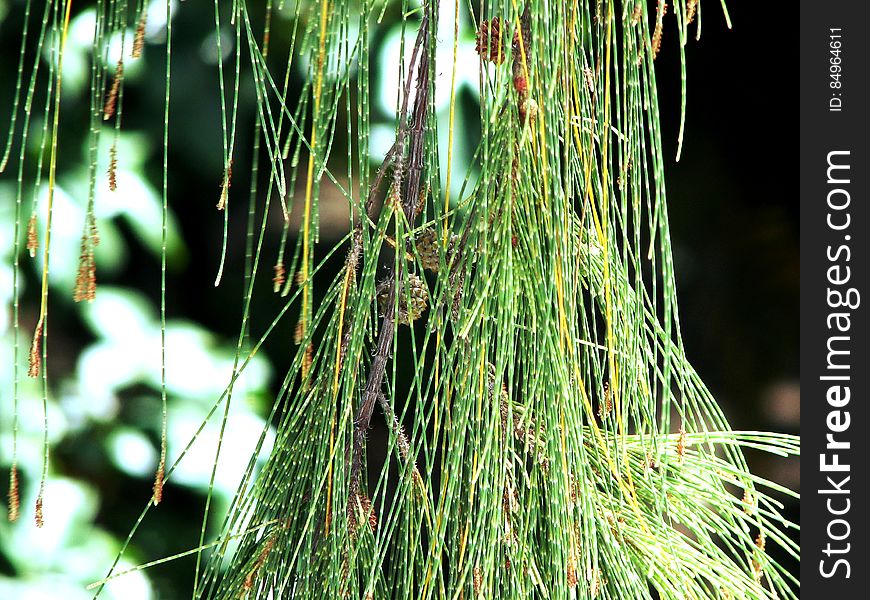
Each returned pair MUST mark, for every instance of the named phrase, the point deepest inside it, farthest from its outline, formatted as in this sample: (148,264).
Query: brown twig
(372,391)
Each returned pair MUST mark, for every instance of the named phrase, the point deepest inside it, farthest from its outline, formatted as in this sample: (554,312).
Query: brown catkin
(14,500)
(691,8)
(520,50)
(657,33)
(95,235)
(226,183)
(594,579)
(394,197)
(39,516)
(747,501)
(307,360)
(368,512)
(35,354)
(113,168)
(606,404)
(757,570)
(86,279)
(421,200)
(158,484)
(402,441)
(261,559)
(761,541)
(589,78)
(636,14)
(32,236)
(112,97)
(139,38)
(572,574)
(681,445)
(360,505)
(279,278)
(477,578)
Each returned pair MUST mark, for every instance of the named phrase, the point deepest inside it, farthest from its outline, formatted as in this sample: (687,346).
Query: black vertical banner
(835,259)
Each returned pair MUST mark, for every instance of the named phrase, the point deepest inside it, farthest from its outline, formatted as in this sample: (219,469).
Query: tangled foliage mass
(519,337)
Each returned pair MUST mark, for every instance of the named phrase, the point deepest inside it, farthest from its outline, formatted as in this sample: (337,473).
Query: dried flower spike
(477,579)
(39,517)
(112,97)
(747,501)
(394,197)
(362,506)
(637,13)
(14,500)
(421,201)
(226,183)
(139,39)
(572,575)
(86,279)
(279,278)
(158,484)
(594,579)
(35,354)
(113,168)
(307,360)
(657,33)
(681,445)
(691,8)
(757,570)
(489,41)
(261,559)
(95,235)
(589,77)
(32,237)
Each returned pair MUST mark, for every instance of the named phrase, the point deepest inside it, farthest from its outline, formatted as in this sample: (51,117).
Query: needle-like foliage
(547,435)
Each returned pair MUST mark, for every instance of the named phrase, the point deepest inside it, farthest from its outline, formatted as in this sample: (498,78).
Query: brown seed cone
(419,293)
(489,41)
(427,249)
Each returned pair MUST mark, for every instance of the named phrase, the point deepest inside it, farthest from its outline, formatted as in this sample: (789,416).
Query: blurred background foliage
(735,240)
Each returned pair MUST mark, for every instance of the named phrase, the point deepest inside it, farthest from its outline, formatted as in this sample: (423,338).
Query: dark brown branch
(372,391)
